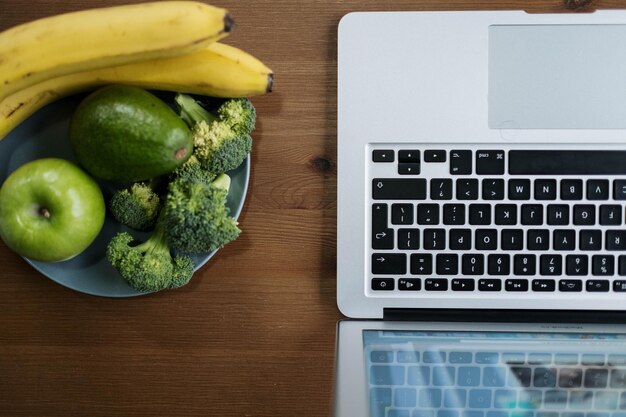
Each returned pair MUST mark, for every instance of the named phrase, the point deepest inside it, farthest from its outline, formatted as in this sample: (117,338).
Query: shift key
(389,263)
(399,188)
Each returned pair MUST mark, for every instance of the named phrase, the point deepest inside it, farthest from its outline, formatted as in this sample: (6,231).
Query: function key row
(516,189)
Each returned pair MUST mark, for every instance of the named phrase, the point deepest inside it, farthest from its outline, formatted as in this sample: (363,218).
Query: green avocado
(125,133)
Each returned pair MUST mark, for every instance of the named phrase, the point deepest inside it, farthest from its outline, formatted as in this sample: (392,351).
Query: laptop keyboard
(488,218)
(488,383)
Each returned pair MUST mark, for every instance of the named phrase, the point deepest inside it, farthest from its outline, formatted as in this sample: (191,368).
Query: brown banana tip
(229,23)
(270,82)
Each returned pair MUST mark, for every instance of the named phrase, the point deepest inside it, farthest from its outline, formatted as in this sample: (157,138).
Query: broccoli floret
(136,207)
(222,141)
(192,170)
(196,216)
(149,266)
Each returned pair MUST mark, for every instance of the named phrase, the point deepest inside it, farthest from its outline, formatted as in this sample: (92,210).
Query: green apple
(50,210)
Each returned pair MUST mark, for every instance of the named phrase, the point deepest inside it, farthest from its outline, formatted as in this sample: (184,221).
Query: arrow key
(389,263)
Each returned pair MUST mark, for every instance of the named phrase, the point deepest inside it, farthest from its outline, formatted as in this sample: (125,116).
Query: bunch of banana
(168,45)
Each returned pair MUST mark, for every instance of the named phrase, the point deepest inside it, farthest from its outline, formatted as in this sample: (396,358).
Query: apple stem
(44,212)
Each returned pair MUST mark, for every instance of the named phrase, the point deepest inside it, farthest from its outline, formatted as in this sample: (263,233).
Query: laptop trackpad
(557,77)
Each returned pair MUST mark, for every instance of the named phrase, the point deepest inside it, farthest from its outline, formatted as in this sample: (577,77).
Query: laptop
(481,214)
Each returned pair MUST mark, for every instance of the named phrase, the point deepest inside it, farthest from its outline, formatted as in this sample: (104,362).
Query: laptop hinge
(503,315)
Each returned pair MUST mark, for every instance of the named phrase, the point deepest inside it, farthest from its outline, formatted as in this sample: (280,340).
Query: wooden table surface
(253,334)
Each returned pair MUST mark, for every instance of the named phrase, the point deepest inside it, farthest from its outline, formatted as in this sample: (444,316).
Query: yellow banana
(218,70)
(50,47)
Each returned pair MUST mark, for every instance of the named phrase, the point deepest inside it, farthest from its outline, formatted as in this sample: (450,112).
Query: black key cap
(434,239)
(619,189)
(447,264)
(489,284)
(421,264)
(603,265)
(545,189)
(522,376)
(388,263)
(621,265)
(427,213)
(383,284)
(409,284)
(480,214)
(399,189)
(408,239)
(493,189)
(590,240)
(571,189)
(619,285)
(506,214)
(616,239)
(598,285)
(498,264)
(402,213)
(544,377)
(538,239)
(512,239)
(564,239)
(462,284)
(516,285)
(490,162)
(460,239)
(584,215)
(382,235)
(454,214)
(383,155)
(435,155)
(550,265)
(610,215)
(519,189)
(524,265)
(570,377)
(596,378)
(544,285)
(472,264)
(597,189)
(561,162)
(441,189)
(558,214)
(460,162)
(532,214)
(409,169)
(436,284)
(576,265)
(467,189)
(409,156)
(486,239)
(570,285)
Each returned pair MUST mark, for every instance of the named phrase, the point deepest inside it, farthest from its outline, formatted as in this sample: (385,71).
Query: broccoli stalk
(137,206)
(196,216)
(149,266)
(221,141)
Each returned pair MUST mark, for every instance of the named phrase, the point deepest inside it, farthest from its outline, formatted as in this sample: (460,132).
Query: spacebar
(553,162)
(398,189)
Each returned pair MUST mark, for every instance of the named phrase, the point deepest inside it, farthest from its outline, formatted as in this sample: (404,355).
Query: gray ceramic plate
(44,134)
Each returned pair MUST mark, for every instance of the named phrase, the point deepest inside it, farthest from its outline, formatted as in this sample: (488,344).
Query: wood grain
(254,333)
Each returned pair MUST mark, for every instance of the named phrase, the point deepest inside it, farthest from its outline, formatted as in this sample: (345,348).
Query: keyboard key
(516,285)
(379,399)
(603,265)
(490,162)
(570,162)
(506,214)
(543,285)
(590,240)
(480,214)
(472,264)
(597,189)
(381,356)
(454,398)
(532,214)
(545,189)
(563,239)
(429,398)
(454,214)
(519,189)
(598,285)
(460,239)
(489,285)
(618,378)
(467,189)
(408,356)
(427,214)
(441,189)
(418,375)
(388,263)
(486,239)
(421,264)
(462,284)
(524,264)
(382,235)
(409,284)
(409,156)
(443,376)
(447,264)
(570,285)
(537,239)
(383,284)
(619,190)
(504,398)
(494,376)
(435,155)
(616,240)
(408,239)
(493,189)
(544,377)
(571,189)
(479,398)
(436,284)
(512,239)
(576,265)
(570,377)
(386,375)
(383,155)
(584,215)
(610,215)
(558,214)
(596,378)
(460,162)
(434,239)
(402,213)
(409,169)
(550,264)
(498,264)
(460,357)
(619,285)
(522,376)
(468,376)
(404,397)
(434,356)
(399,189)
